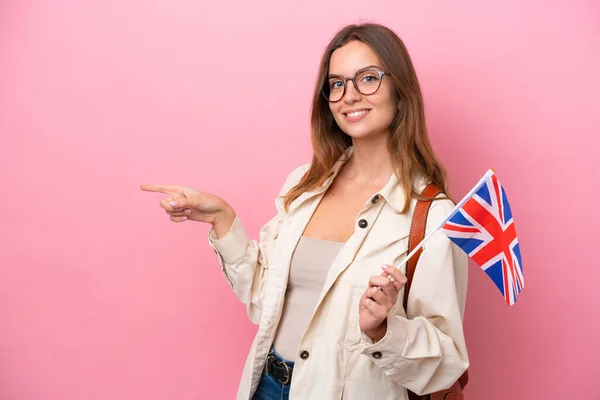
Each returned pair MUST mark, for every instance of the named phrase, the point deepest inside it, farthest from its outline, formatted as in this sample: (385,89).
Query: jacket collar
(391,192)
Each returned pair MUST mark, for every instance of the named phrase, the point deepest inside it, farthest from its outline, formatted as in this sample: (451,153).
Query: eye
(337,84)
(370,78)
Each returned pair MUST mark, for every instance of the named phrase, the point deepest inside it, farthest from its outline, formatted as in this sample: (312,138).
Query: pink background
(101,297)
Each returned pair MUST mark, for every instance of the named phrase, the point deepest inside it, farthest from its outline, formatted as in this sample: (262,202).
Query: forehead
(350,58)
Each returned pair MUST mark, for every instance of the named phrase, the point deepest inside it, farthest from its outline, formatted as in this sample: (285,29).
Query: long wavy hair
(408,143)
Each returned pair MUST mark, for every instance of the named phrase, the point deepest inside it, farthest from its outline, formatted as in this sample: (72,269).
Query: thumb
(385,274)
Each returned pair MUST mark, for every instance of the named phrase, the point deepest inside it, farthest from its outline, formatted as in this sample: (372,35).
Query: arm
(245,262)
(426,351)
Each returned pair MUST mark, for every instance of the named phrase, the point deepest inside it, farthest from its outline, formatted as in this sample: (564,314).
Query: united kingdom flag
(484,229)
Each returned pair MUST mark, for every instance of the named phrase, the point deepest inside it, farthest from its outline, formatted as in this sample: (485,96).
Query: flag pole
(461,203)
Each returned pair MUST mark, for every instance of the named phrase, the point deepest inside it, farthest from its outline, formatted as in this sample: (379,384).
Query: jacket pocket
(351,338)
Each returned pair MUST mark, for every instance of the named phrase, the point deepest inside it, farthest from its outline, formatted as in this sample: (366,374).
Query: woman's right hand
(184,203)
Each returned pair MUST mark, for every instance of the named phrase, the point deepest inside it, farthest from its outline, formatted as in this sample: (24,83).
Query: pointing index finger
(166,189)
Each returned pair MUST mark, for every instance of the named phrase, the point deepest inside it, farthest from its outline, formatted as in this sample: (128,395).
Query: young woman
(318,282)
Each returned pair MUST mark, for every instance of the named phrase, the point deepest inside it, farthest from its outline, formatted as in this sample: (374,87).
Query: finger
(166,189)
(380,298)
(364,298)
(375,309)
(178,203)
(181,213)
(396,274)
(166,204)
(179,219)
(397,285)
(385,285)
(174,203)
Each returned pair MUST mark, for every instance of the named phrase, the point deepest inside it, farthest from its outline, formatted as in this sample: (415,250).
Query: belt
(278,370)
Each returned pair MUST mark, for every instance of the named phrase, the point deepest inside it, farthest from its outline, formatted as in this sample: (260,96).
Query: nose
(352,95)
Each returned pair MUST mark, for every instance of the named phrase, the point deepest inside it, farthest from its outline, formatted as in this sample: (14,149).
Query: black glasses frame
(325,91)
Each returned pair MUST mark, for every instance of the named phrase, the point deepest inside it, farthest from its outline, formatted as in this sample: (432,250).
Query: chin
(362,132)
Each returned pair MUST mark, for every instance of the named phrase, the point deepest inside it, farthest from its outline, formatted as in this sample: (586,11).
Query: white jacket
(424,351)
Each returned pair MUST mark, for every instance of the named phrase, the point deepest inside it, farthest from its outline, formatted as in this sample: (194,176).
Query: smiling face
(358,115)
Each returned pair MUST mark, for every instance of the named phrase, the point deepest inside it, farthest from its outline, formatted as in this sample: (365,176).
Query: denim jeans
(270,388)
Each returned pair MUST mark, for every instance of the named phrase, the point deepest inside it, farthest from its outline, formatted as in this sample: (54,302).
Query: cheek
(388,99)
(334,108)
(387,105)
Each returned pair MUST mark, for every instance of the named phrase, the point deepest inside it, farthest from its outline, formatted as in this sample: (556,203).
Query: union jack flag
(484,229)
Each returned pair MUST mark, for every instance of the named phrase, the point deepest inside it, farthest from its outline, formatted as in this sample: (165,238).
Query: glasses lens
(335,89)
(368,81)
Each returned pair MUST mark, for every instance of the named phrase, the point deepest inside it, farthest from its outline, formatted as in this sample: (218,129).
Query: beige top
(423,349)
(309,267)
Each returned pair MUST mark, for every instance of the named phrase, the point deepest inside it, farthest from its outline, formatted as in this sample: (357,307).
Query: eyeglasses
(366,81)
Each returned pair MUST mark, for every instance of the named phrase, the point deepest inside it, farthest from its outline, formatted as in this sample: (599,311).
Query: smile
(356,115)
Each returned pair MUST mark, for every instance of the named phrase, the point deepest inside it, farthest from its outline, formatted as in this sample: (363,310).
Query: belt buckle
(287,370)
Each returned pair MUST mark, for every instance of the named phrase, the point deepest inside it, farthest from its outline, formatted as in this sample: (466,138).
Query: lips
(356,115)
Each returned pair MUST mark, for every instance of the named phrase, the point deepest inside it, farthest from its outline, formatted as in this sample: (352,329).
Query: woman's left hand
(377,301)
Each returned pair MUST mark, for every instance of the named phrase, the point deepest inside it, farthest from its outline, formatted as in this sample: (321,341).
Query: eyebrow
(362,69)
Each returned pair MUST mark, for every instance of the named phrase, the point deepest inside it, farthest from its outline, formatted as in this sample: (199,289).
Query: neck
(370,162)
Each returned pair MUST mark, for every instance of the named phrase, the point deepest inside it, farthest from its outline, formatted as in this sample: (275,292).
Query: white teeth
(357,113)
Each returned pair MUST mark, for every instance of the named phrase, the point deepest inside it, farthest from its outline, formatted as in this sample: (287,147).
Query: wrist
(378,333)
(223,221)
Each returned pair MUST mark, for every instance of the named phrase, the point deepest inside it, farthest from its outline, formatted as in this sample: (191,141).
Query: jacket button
(376,354)
(363,223)
(375,199)
(304,355)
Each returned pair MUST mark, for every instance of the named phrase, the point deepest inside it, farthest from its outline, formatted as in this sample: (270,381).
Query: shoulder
(292,180)
(440,206)
(294,177)
(298,172)
(439,210)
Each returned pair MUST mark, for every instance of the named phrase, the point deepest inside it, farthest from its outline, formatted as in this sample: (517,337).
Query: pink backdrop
(101,297)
